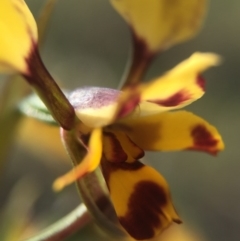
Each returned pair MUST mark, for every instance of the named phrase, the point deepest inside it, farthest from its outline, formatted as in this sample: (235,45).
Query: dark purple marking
(203,140)
(117,152)
(173,100)
(128,106)
(144,209)
(109,167)
(201,82)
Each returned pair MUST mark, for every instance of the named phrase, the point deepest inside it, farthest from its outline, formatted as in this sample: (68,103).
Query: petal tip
(177,220)
(58,185)
(209,58)
(207,140)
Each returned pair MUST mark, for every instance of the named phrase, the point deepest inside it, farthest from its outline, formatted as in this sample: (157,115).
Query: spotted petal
(18,35)
(172,131)
(118,147)
(177,88)
(162,23)
(141,198)
(89,163)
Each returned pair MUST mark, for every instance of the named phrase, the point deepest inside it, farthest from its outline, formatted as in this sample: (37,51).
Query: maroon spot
(128,106)
(203,140)
(145,205)
(201,82)
(174,100)
(116,152)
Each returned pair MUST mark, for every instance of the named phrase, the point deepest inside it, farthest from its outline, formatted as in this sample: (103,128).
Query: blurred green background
(88,44)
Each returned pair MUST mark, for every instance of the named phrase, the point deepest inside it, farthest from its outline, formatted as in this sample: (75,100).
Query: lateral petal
(18,35)
(177,88)
(141,198)
(182,85)
(173,131)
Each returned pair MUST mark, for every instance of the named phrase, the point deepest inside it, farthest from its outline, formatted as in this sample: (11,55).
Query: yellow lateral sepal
(18,35)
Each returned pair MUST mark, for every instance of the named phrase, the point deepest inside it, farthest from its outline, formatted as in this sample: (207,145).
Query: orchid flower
(117,127)
(114,128)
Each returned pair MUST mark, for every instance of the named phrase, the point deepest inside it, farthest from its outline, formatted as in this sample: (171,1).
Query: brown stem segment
(140,60)
(49,92)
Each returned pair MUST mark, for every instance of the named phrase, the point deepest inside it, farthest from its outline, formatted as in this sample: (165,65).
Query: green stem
(92,188)
(66,226)
(49,92)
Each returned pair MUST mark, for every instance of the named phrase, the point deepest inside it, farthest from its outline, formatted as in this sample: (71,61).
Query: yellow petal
(172,131)
(18,35)
(184,79)
(141,198)
(89,163)
(162,23)
(177,88)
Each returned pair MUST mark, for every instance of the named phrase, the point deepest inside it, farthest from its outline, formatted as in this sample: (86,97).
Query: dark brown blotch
(128,105)
(109,167)
(145,206)
(116,152)
(203,139)
(174,100)
(201,82)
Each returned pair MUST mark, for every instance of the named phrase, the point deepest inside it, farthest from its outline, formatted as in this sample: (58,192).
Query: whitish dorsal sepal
(95,106)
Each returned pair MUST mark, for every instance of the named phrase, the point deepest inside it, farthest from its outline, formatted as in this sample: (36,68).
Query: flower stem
(92,188)
(66,226)
(49,92)
(138,63)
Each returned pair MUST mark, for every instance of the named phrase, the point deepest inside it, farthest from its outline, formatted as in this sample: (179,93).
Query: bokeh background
(88,44)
